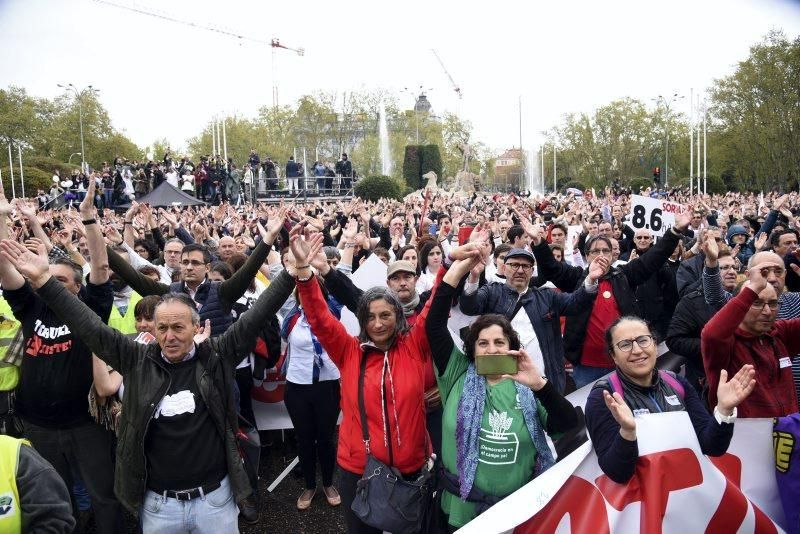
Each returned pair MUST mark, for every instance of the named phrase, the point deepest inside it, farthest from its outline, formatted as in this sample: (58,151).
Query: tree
(756,115)
(374,188)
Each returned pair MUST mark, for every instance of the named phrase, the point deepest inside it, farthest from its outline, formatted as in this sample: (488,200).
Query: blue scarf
(468,427)
(291,319)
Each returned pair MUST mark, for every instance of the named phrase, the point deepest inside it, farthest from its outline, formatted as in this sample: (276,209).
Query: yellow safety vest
(10,510)
(125,324)
(9,373)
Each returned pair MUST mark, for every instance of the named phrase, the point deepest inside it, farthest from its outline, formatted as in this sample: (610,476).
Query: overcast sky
(163,79)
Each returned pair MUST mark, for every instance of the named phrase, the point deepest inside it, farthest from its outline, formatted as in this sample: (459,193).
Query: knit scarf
(291,319)
(411,306)
(468,426)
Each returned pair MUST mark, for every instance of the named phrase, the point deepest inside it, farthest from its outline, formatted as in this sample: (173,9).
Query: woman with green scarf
(494,427)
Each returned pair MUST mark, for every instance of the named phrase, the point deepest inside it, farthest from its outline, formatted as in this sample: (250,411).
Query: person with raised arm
(178,466)
(390,359)
(56,370)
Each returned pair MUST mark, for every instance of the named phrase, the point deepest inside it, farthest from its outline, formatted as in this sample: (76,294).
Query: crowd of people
(214,180)
(137,335)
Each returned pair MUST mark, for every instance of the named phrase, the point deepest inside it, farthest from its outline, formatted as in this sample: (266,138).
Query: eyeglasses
(727,267)
(517,266)
(626,345)
(759,304)
(600,251)
(193,263)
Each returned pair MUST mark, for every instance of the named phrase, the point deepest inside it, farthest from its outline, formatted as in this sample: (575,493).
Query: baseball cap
(401,266)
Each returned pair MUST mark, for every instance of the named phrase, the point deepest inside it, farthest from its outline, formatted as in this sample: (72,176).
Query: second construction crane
(274,43)
(456,88)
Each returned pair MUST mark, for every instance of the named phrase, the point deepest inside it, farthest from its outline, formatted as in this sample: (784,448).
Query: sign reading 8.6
(639,219)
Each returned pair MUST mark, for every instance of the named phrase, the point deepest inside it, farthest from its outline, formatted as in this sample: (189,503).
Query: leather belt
(189,494)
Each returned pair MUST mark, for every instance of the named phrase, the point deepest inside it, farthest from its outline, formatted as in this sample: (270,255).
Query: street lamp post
(79,98)
(69,161)
(667,103)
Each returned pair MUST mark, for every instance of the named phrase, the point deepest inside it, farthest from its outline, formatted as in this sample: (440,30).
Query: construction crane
(456,88)
(274,43)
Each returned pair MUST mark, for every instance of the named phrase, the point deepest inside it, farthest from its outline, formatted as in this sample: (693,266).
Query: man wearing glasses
(746,330)
(717,294)
(584,336)
(534,313)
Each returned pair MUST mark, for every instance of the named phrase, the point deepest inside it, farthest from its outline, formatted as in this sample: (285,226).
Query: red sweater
(408,357)
(726,346)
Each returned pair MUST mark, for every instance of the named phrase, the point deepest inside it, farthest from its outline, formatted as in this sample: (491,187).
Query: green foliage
(35,178)
(431,160)
(639,184)
(49,165)
(376,187)
(412,167)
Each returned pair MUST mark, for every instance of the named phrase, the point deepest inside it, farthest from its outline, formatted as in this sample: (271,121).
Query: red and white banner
(675,489)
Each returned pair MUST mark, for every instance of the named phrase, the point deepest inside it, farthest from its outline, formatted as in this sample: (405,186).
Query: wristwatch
(729,419)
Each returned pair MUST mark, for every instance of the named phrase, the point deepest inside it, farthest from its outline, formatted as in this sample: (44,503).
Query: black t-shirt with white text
(56,371)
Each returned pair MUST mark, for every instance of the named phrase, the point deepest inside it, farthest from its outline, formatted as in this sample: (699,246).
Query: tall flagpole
(224,141)
(705,153)
(11,166)
(691,140)
(555,184)
(213,137)
(698,142)
(219,143)
(21,173)
(541,153)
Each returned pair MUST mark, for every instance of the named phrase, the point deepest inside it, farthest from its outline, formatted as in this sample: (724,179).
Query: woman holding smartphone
(494,424)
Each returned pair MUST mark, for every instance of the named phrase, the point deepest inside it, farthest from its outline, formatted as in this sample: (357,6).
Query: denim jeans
(212,513)
(584,374)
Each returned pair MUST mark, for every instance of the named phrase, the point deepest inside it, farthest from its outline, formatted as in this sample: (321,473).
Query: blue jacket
(292,169)
(544,308)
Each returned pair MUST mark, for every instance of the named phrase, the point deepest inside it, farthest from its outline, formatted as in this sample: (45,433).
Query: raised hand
(350,230)
(622,414)
(710,248)
(301,248)
(533,230)
(203,332)
(757,279)
(86,207)
(527,374)
(730,393)
(33,266)
(24,209)
(761,241)
(682,220)
(274,225)
(598,268)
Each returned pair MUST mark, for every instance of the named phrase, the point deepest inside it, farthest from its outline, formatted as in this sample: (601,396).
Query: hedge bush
(376,187)
(418,161)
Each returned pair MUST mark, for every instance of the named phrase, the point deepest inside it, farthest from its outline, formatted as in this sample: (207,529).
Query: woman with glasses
(636,388)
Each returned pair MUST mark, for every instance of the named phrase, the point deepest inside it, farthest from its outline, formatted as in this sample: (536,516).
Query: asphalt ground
(279,511)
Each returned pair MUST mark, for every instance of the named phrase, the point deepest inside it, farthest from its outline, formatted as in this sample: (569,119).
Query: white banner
(675,489)
(653,214)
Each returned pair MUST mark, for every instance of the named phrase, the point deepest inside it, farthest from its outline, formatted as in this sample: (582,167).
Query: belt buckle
(187,493)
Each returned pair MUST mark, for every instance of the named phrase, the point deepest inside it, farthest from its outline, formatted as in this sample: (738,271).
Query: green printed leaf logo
(5,504)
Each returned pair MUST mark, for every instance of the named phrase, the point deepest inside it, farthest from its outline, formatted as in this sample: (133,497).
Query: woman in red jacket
(394,382)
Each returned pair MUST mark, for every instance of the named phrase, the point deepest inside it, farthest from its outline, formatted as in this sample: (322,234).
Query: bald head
(773,266)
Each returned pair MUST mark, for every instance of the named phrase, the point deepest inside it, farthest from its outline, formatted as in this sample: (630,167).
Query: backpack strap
(670,379)
(616,384)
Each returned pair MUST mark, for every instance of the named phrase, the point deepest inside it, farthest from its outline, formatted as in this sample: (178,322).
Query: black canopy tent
(165,195)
